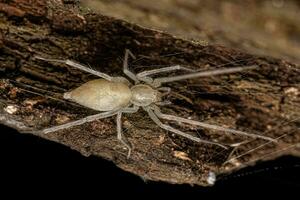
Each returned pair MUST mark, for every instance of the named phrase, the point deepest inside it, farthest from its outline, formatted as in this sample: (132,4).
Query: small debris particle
(127,124)
(234,162)
(269,127)
(30,103)
(292,91)
(161,139)
(211,179)
(11,109)
(61,119)
(181,155)
(13,93)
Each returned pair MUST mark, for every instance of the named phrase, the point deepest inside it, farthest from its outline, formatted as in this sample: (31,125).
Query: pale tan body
(115,95)
(101,95)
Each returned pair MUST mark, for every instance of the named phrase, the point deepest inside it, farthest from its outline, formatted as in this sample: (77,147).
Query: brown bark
(263,101)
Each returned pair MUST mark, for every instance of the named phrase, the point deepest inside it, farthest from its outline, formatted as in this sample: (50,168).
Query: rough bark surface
(265,27)
(263,101)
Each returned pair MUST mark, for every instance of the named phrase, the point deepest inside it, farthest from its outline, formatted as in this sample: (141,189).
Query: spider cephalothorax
(144,95)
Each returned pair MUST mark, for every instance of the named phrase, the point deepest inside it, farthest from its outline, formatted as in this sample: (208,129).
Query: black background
(39,165)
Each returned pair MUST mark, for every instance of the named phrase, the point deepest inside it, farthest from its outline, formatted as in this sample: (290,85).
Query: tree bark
(263,101)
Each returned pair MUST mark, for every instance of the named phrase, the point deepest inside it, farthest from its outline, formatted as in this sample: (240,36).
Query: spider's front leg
(144,76)
(158,81)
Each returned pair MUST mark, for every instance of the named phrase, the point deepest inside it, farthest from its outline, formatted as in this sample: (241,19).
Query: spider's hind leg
(119,127)
(78,122)
(120,134)
(208,126)
(155,118)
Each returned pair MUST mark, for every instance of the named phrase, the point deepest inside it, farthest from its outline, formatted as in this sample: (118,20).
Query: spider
(116,95)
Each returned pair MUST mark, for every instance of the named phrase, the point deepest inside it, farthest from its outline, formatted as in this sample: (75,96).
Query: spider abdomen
(101,95)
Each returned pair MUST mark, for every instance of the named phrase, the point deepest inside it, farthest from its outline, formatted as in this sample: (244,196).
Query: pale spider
(116,95)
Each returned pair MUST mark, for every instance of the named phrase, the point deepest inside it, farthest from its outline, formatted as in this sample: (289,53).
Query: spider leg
(125,66)
(78,66)
(165,90)
(163,103)
(155,118)
(158,81)
(119,127)
(120,135)
(79,122)
(143,76)
(208,126)
(164,69)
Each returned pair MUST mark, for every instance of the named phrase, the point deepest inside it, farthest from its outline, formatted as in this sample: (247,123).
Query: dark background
(31,162)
